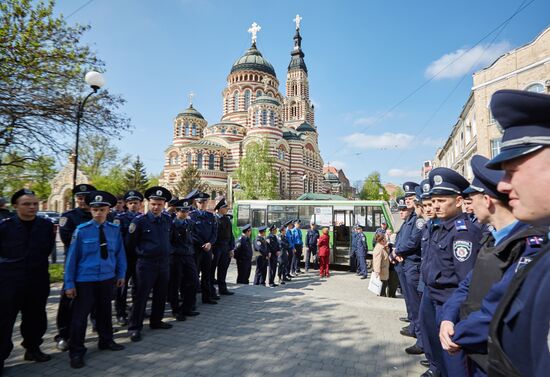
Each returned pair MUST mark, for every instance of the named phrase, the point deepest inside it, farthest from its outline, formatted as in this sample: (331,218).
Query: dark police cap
(201,196)
(100,199)
(417,193)
(246,227)
(133,195)
(401,202)
(182,205)
(485,180)
(409,188)
(272,227)
(20,193)
(525,119)
(191,196)
(289,222)
(282,227)
(262,228)
(172,202)
(425,187)
(158,192)
(83,189)
(221,204)
(445,181)
(297,221)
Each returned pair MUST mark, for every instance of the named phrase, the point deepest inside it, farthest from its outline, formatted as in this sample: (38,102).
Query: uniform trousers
(296,258)
(311,251)
(261,270)
(403,285)
(426,318)
(204,265)
(281,268)
(324,265)
(362,263)
(244,267)
(89,295)
(20,292)
(220,267)
(289,262)
(352,262)
(213,267)
(184,281)
(272,268)
(121,305)
(411,270)
(152,274)
(393,282)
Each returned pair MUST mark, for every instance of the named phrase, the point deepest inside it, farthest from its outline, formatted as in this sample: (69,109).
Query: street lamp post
(96,81)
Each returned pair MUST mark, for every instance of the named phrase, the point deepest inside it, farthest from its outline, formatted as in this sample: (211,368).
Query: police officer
(273,251)
(149,239)
(262,260)
(172,210)
(25,244)
(311,242)
(462,325)
(243,255)
(67,225)
(4,211)
(451,255)
(407,249)
(284,253)
(133,200)
(353,264)
(519,331)
(361,251)
(96,261)
(290,237)
(204,232)
(183,273)
(223,247)
(298,247)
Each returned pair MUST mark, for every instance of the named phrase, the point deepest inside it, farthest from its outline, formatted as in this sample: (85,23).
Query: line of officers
(472,258)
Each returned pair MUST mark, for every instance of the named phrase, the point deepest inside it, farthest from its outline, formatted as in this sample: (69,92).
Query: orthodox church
(253,109)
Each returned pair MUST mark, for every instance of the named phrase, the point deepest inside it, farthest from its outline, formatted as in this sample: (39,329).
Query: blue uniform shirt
(84,262)
(149,236)
(409,238)
(451,254)
(204,228)
(297,234)
(290,238)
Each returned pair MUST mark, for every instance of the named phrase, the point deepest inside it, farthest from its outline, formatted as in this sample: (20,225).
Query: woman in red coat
(324,253)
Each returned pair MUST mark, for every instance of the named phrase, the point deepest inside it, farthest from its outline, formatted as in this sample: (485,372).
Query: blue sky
(363,58)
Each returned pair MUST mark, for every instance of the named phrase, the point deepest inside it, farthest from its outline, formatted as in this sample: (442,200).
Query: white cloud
(404,173)
(385,141)
(337,164)
(432,142)
(466,61)
(360,119)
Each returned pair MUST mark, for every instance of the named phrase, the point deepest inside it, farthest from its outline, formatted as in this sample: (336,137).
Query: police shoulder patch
(62,221)
(116,221)
(462,250)
(258,243)
(460,225)
(132,228)
(420,223)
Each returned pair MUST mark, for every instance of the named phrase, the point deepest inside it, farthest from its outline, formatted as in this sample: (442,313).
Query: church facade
(253,110)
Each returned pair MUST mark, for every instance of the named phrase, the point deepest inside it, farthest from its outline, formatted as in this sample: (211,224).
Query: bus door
(343,223)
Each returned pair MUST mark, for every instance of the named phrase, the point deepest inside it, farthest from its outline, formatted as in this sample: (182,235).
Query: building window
(211,159)
(247,95)
(236,101)
(495,147)
(189,160)
(258,93)
(281,154)
(186,129)
(222,130)
(221,163)
(264,117)
(194,130)
(536,88)
(257,118)
(199,161)
(214,195)
(272,118)
(234,131)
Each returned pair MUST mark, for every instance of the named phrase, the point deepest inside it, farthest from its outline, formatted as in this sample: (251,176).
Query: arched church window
(222,130)
(186,129)
(221,163)
(258,93)
(247,95)
(211,159)
(234,131)
(194,129)
(199,161)
(257,118)
(236,101)
(272,118)
(264,117)
(189,160)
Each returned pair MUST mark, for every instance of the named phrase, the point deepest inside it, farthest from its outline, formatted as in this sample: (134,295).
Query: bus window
(243,215)
(258,217)
(323,216)
(279,214)
(378,217)
(306,214)
(360,215)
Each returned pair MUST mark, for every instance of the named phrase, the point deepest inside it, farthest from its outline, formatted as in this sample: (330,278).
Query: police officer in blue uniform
(149,239)
(361,251)
(25,244)
(133,200)
(290,237)
(204,232)
(519,333)
(223,247)
(183,273)
(262,260)
(243,255)
(451,255)
(298,246)
(312,236)
(273,251)
(284,253)
(96,262)
(67,225)
(407,249)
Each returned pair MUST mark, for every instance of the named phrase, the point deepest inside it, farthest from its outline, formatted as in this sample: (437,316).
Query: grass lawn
(56,273)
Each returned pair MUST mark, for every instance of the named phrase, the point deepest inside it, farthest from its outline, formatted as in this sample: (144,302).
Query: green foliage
(97,155)
(190,180)
(56,273)
(35,174)
(43,64)
(399,192)
(372,188)
(154,179)
(256,174)
(135,178)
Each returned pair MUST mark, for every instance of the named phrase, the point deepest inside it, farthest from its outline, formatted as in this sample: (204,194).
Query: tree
(98,155)
(399,192)
(136,177)
(256,174)
(373,189)
(190,179)
(41,84)
(34,174)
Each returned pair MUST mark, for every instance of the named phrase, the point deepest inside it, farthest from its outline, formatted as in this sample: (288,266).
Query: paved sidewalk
(310,327)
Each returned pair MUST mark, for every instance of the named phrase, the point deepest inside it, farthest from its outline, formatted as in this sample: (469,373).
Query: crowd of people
(471,259)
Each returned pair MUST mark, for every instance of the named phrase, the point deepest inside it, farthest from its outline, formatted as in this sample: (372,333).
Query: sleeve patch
(116,221)
(462,250)
(460,225)
(420,223)
(62,221)
(258,243)
(132,228)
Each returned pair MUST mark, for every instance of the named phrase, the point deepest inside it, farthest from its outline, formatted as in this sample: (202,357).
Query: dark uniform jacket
(181,238)
(68,223)
(204,228)
(243,249)
(285,248)
(261,246)
(311,239)
(407,244)
(272,245)
(149,236)
(225,236)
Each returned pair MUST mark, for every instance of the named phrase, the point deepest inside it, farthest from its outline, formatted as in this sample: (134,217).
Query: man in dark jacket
(311,240)
(243,255)
(225,243)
